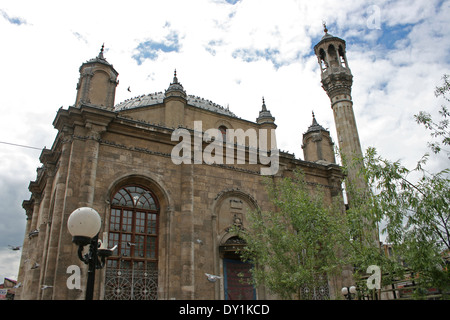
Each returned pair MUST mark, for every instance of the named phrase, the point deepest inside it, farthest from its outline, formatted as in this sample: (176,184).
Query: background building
(8,289)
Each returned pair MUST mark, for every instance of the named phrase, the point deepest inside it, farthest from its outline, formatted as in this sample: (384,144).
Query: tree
(360,230)
(415,212)
(293,247)
(439,129)
(416,215)
(305,238)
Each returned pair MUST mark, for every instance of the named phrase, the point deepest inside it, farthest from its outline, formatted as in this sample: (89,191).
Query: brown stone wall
(95,154)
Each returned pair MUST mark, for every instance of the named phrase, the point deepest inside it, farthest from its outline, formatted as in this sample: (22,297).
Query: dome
(158,98)
(100,58)
(175,89)
(315,126)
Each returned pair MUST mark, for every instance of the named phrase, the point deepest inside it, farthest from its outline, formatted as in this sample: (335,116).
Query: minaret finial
(325,27)
(175,88)
(314,121)
(264,115)
(100,55)
(175,79)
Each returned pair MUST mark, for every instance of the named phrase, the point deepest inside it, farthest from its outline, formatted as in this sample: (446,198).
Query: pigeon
(129,244)
(46,287)
(35,265)
(199,241)
(14,248)
(212,278)
(129,90)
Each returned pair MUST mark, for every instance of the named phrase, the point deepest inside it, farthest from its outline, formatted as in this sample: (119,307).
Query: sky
(232,52)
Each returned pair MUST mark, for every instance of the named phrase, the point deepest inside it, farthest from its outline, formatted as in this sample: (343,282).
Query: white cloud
(393,79)
(9,264)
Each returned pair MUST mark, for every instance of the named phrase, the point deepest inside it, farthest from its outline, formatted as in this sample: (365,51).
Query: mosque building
(168,204)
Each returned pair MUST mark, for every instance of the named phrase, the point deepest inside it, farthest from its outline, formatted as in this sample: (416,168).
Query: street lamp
(348,291)
(84,225)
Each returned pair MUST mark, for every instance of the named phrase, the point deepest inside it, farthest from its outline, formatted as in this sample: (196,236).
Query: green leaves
(439,129)
(414,212)
(293,245)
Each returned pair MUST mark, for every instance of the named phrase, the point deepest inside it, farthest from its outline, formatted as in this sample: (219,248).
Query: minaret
(337,82)
(97,83)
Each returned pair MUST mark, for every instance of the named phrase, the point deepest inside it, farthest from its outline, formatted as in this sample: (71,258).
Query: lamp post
(348,291)
(84,225)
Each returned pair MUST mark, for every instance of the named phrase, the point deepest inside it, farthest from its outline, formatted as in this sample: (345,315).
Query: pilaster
(61,174)
(187,222)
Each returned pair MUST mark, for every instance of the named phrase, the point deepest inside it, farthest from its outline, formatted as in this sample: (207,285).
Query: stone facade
(101,149)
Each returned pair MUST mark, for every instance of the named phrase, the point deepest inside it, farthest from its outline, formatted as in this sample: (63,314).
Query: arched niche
(230,209)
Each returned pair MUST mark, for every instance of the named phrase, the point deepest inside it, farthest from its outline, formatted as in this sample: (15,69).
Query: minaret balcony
(334,70)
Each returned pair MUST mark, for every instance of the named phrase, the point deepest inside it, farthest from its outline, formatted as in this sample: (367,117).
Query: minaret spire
(264,115)
(264,104)
(324,27)
(315,126)
(175,79)
(175,88)
(100,55)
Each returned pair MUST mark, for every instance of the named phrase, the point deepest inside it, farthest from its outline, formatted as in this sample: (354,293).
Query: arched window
(342,57)
(332,56)
(223,130)
(323,60)
(132,269)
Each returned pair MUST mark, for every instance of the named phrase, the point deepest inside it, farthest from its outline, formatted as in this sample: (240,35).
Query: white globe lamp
(84,224)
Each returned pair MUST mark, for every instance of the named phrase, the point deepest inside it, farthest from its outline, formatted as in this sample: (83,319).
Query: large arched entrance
(237,277)
(132,271)
(230,211)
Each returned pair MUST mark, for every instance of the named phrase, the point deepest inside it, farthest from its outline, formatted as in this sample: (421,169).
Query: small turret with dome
(97,83)
(264,115)
(317,144)
(176,88)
